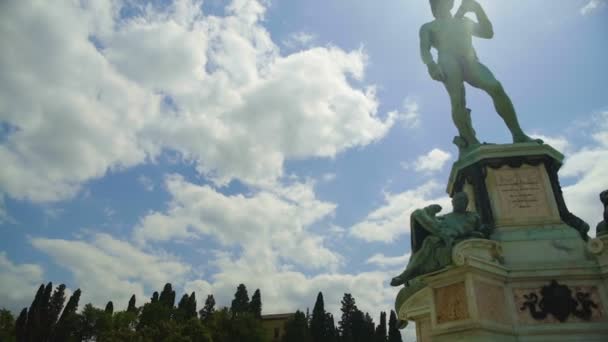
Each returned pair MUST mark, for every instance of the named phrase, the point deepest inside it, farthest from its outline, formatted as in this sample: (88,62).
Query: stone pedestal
(537,279)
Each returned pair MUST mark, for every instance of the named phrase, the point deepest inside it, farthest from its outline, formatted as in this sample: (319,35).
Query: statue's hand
(468,6)
(436,72)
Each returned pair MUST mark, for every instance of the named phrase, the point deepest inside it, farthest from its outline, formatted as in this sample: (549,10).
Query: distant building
(274,325)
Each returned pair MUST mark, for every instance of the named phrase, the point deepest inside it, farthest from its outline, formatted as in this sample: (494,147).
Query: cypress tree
(349,309)
(44,324)
(154,298)
(33,316)
(132,307)
(331,332)
(318,326)
(68,321)
(240,303)
(380,333)
(393,331)
(255,306)
(21,326)
(182,308)
(109,308)
(191,308)
(167,296)
(209,308)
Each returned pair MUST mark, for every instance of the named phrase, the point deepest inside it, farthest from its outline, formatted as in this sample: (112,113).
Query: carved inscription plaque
(521,195)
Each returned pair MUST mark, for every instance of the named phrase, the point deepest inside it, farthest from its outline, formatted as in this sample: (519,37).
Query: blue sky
(281,144)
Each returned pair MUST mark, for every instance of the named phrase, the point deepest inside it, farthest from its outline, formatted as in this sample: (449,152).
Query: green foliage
(240,303)
(296,329)
(255,307)
(160,321)
(349,310)
(21,326)
(55,307)
(393,331)
(167,296)
(322,327)
(7,326)
(95,324)
(208,310)
(68,324)
(109,308)
(227,327)
(132,307)
(380,333)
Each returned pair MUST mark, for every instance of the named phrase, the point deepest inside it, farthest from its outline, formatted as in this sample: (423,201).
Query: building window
(277,332)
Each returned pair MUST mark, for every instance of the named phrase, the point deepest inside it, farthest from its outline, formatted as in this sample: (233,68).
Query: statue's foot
(397,281)
(523,138)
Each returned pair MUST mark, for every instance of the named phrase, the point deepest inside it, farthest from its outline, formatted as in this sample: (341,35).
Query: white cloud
(5,217)
(410,114)
(106,268)
(146,182)
(274,219)
(384,261)
(589,166)
(559,143)
(392,220)
(433,161)
(19,283)
(592,6)
(76,117)
(215,89)
(298,40)
(284,290)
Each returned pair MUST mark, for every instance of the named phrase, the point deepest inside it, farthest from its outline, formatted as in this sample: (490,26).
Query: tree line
(50,319)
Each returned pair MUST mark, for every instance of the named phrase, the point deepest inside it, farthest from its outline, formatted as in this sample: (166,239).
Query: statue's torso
(453,37)
(460,224)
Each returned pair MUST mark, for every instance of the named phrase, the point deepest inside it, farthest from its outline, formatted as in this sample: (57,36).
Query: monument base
(481,298)
(536,279)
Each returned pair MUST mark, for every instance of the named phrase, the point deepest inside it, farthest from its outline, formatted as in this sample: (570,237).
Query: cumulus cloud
(592,6)
(392,220)
(589,167)
(298,40)
(433,161)
(19,283)
(285,290)
(274,219)
(409,114)
(558,142)
(384,261)
(108,268)
(90,92)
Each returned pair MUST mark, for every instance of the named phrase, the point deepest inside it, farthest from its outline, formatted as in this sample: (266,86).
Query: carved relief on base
(451,303)
(491,302)
(558,303)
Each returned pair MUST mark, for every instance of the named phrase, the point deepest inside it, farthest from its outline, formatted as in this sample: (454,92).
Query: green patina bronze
(452,37)
(602,227)
(433,237)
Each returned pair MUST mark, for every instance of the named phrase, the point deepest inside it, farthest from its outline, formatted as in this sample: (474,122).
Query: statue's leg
(479,76)
(454,84)
(421,262)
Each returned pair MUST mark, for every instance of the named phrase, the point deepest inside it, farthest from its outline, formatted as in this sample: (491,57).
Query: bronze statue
(602,227)
(434,236)
(457,63)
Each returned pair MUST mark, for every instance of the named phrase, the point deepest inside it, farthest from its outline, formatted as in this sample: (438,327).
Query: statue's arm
(425,45)
(483,28)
